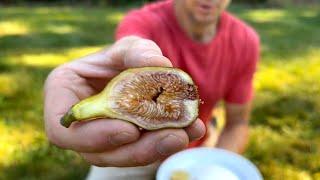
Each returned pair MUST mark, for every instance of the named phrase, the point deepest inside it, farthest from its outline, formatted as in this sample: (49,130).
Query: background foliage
(130,2)
(285,134)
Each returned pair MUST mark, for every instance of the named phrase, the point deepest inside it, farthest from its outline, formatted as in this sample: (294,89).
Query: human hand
(109,142)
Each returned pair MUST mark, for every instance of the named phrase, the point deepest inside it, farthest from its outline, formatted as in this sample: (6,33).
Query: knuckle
(128,39)
(54,139)
(90,145)
(96,144)
(59,71)
(140,160)
(125,42)
(148,44)
(56,75)
(144,157)
(93,160)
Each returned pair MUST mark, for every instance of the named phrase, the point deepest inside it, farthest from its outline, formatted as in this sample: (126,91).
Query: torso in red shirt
(223,68)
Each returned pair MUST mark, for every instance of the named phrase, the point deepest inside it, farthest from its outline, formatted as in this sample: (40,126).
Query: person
(217,49)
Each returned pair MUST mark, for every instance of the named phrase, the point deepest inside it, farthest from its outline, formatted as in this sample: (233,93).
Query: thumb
(128,52)
(145,52)
(138,52)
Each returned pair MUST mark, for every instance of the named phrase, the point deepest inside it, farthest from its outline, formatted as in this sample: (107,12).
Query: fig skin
(104,104)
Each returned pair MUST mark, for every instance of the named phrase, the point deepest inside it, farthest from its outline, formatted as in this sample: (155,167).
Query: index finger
(144,53)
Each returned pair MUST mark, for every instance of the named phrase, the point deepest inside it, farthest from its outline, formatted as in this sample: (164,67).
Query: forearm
(234,138)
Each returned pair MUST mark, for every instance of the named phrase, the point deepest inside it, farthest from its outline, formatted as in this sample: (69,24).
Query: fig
(150,97)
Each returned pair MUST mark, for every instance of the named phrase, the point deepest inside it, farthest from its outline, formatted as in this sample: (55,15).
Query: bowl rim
(204,150)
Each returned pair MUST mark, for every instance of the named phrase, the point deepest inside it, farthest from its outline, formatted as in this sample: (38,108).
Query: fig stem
(90,108)
(67,119)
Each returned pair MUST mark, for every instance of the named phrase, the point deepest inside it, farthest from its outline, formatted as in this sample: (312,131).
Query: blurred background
(36,36)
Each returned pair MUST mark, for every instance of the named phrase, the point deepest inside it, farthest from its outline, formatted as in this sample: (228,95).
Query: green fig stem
(67,119)
(87,109)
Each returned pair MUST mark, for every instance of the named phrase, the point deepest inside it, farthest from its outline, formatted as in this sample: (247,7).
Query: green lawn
(285,126)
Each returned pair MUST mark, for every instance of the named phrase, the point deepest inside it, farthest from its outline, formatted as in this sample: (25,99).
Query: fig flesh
(150,97)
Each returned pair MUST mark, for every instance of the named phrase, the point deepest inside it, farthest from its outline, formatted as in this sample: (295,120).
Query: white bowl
(207,164)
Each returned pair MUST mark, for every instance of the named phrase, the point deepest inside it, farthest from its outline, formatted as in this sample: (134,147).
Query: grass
(285,133)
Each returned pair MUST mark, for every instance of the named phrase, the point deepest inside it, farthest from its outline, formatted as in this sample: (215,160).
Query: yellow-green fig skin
(87,109)
(101,105)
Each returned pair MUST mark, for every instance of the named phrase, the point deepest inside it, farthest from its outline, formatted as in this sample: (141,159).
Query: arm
(234,137)
(238,99)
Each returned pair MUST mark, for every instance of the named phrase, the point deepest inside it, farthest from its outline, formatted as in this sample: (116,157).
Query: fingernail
(170,144)
(199,133)
(121,138)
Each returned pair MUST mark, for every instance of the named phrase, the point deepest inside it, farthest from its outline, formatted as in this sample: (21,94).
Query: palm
(85,86)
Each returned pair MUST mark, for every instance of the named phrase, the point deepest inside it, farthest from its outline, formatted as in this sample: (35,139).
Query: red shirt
(223,69)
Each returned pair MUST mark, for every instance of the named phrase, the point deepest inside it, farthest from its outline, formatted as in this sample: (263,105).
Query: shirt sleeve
(136,22)
(241,90)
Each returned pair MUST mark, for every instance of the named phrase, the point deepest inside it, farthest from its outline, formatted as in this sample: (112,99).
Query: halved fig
(150,97)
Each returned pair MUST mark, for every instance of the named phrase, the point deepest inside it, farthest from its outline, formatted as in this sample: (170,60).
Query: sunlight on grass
(317,176)
(15,140)
(44,10)
(79,52)
(273,79)
(219,113)
(311,54)
(283,74)
(13,28)
(60,29)
(43,59)
(8,84)
(279,147)
(265,15)
(269,141)
(309,14)
(53,59)
(12,82)
(279,172)
(115,17)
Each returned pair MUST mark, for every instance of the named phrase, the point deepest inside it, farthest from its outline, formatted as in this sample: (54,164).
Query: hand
(109,142)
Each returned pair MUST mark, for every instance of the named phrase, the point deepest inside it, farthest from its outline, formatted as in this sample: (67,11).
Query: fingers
(196,130)
(129,52)
(93,136)
(150,147)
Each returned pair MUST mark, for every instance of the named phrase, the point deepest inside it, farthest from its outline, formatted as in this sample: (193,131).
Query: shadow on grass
(38,160)
(65,35)
(46,162)
(53,28)
(288,111)
(49,41)
(25,103)
(284,135)
(5,67)
(286,33)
